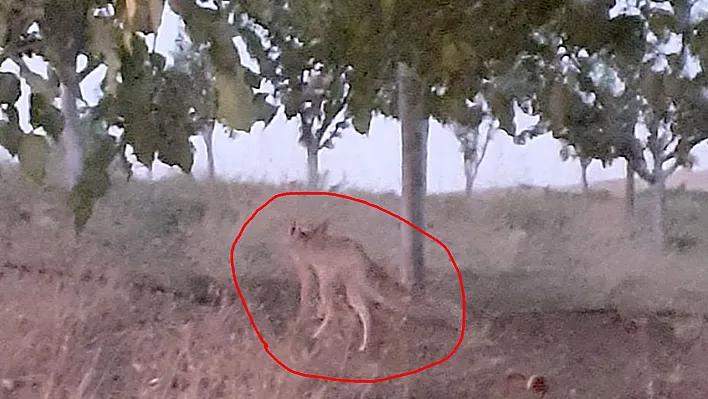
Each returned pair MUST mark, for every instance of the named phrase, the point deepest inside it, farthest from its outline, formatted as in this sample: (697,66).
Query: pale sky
(370,162)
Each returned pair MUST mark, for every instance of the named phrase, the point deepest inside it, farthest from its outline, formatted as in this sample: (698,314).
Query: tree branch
(484,148)
(327,122)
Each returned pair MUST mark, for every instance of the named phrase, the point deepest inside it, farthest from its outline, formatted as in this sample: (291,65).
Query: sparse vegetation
(143,304)
(137,299)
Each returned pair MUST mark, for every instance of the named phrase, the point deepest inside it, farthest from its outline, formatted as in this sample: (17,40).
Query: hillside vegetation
(143,305)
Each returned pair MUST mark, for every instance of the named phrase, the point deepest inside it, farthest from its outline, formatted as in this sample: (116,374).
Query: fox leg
(326,300)
(305,277)
(357,302)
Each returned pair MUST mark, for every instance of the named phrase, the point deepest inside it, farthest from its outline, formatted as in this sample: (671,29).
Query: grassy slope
(114,311)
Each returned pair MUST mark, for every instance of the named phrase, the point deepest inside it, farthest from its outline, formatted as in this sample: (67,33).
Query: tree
(473,145)
(474,130)
(193,60)
(414,161)
(62,37)
(416,60)
(145,101)
(321,101)
(670,105)
(237,106)
(566,152)
(313,92)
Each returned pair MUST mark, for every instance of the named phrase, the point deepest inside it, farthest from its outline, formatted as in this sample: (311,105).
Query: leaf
(251,78)
(142,136)
(472,116)
(43,114)
(235,106)
(33,155)
(502,109)
(660,20)
(174,122)
(103,43)
(699,43)
(232,98)
(652,89)
(180,153)
(9,88)
(48,87)
(627,37)
(134,102)
(100,149)
(10,133)
(263,110)
(362,121)
(291,101)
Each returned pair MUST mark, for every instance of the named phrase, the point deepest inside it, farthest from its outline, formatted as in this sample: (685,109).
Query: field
(143,304)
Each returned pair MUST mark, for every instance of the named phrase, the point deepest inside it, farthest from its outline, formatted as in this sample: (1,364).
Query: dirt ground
(142,304)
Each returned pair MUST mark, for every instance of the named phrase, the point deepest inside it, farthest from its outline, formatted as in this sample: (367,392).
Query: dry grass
(142,305)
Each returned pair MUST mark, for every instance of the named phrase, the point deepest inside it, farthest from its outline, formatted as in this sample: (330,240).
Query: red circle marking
(386,211)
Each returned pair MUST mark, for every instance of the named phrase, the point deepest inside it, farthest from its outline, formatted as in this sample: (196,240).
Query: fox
(339,261)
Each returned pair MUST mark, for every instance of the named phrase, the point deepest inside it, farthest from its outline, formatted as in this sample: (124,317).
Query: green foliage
(44,114)
(10,132)
(294,60)
(65,29)
(300,45)
(601,124)
(236,104)
(99,150)
(153,106)
(33,155)
(174,122)
(9,88)
(465,48)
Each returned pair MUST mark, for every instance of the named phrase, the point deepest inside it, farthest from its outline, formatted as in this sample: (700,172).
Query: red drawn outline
(361,201)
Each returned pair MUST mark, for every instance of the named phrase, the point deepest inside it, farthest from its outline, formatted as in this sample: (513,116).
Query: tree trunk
(310,141)
(584,163)
(313,165)
(474,149)
(470,173)
(414,143)
(656,204)
(70,140)
(629,191)
(209,142)
(470,157)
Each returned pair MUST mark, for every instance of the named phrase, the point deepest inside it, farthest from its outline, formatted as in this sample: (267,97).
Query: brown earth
(142,304)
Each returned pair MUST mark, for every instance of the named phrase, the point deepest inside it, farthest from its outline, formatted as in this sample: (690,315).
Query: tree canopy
(558,59)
